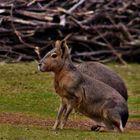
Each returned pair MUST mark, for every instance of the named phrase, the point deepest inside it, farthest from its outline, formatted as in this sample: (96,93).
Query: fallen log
(98,30)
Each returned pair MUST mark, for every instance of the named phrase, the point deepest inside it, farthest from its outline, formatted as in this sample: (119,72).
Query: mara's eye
(54,55)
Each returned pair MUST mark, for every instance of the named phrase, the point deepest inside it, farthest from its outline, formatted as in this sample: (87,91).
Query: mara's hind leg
(121,127)
(97,125)
(115,119)
(105,126)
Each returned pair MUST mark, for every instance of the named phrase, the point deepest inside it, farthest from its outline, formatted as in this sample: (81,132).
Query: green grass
(131,75)
(26,91)
(12,132)
(23,89)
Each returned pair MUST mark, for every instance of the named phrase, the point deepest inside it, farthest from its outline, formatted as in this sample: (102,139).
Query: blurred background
(100,30)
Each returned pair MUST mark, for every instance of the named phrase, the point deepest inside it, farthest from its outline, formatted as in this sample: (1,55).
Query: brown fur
(90,97)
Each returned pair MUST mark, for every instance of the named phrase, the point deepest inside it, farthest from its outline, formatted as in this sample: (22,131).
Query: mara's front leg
(71,104)
(61,110)
(66,115)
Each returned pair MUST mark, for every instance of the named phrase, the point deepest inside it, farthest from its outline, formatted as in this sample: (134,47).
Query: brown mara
(78,91)
(105,74)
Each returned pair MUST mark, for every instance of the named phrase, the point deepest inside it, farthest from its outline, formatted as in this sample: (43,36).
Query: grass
(13,132)
(25,90)
(131,75)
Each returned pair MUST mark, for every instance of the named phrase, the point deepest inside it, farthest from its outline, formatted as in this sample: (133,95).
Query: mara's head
(55,59)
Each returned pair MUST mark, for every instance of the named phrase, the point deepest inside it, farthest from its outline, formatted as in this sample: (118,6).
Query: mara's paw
(98,128)
(95,128)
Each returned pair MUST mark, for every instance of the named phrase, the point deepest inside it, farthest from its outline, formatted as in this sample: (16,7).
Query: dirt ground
(20,119)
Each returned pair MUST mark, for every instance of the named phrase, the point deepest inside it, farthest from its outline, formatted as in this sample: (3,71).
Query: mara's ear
(58,44)
(62,45)
(64,48)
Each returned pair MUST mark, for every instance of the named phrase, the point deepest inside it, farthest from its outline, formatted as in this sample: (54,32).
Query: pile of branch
(102,30)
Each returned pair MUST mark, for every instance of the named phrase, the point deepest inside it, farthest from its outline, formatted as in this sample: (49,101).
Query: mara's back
(105,74)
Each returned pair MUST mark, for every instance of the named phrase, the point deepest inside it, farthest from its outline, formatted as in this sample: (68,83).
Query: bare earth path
(20,119)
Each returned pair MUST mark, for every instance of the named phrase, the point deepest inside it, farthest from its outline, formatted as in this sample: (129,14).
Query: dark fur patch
(63,48)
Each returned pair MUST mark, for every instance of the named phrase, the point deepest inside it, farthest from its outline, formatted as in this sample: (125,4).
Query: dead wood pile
(102,30)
